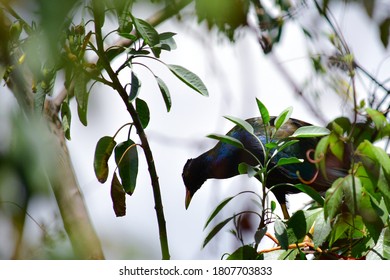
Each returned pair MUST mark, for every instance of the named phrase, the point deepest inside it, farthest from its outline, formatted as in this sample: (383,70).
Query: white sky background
(235,74)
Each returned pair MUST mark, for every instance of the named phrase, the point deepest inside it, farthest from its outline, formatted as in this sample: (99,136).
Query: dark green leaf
(165,93)
(218,209)
(189,78)
(296,227)
(118,197)
(245,252)
(129,36)
(103,151)
(146,31)
(340,226)
(227,139)
(333,199)
(135,86)
(126,158)
(215,230)
(385,31)
(352,189)
(81,94)
(167,42)
(283,117)
(284,145)
(281,233)
(310,131)
(263,111)
(311,192)
(381,250)
(260,233)
(143,112)
(291,160)
(241,123)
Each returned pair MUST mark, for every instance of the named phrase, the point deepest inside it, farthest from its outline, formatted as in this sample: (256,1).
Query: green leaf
(311,192)
(322,230)
(118,197)
(126,158)
(352,187)
(218,209)
(283,117)
(310,131)
(244,168)
(260,233)
(39,99)
(165,93)
(336,146)
(385,31)
(263,111)
(333,199)
(135,86)
(227,139)
(81,94)
(241,123)
(103,151)
(146,31)
(291,160)
(245,252)
(281,233)
(381,250)
(340,226)
(215,230)
(166,41)
(189,78)
(143,112)
(283,145)
(66,117)
(296,225)
(320,152)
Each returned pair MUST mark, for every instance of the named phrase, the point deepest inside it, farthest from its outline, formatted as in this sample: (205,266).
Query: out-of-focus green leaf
(39,99)
(281,233)
(118,197)
(103,151)
(320,152)
(189,78)
(245,252)
(167,42)
(322,230)
(310,131)
(126,158)
(227,139)
(336,146)
(165,93)
(143,112)
(260,233)
(263,111)
(384,28)
(352,189)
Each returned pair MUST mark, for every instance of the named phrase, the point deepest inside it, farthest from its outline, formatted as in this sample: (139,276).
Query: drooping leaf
(342,223)
(297,225)
(165,93)
(81,94)
(126,158)
(215,230)
(310,131)
(283,117)
(103,151)
(135,86)
(166,41)
(260,233)
(322,230)
(281,233)
(245,252)
(143,112)
(227,139)
(241,123)
(352,189)
(118,197)
(385,31)
(311,192)
(146,31)
(263,111)
(189,78)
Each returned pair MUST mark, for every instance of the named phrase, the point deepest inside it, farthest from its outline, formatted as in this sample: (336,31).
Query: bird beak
(188,198)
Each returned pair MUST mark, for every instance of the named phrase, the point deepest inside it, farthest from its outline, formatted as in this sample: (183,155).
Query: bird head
(193,179)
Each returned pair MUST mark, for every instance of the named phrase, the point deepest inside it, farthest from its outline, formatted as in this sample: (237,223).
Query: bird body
(222,161)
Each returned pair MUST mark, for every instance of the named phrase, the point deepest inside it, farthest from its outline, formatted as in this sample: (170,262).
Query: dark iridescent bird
(222,162)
